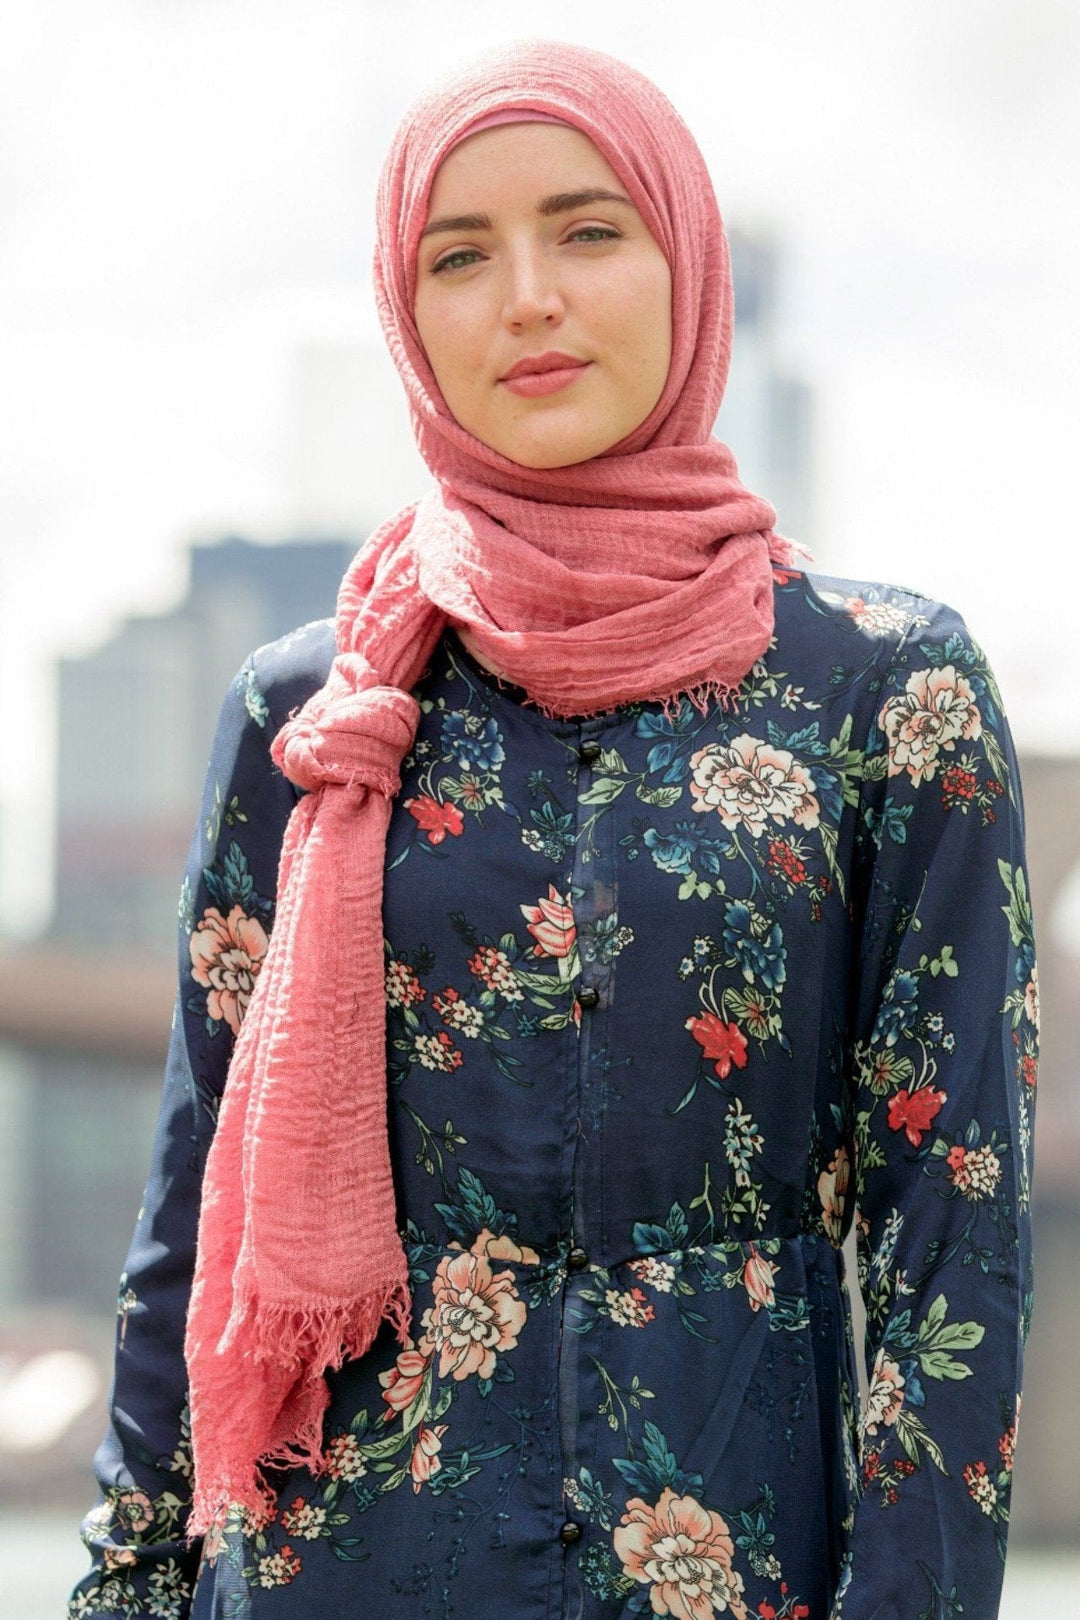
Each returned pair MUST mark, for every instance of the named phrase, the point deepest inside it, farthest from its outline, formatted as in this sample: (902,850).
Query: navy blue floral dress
(670,1007)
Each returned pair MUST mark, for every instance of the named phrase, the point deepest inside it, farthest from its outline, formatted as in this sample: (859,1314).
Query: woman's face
(506,270)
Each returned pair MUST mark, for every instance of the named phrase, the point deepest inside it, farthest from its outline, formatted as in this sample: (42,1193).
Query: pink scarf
(641,573)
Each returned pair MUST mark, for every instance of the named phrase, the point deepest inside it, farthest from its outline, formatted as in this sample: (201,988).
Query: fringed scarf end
(316,1336)
(219,1506)
(307,1341)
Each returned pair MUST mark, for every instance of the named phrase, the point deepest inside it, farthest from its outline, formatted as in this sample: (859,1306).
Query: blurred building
(767,414)
(136,719)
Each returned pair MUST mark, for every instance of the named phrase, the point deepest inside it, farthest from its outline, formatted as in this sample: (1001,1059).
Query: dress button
(577,1259)
(588,995)
(570,1532)
(590,750)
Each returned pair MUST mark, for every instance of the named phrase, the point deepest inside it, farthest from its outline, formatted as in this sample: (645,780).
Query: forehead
(516,157)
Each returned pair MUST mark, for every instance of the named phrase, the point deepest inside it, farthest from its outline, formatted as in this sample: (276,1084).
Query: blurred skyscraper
(136,719)
(766,417)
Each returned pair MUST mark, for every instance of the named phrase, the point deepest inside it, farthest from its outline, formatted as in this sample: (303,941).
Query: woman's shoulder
(884,612)
(289,669)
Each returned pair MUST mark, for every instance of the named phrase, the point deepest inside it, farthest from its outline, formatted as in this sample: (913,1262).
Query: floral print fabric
(671,1006)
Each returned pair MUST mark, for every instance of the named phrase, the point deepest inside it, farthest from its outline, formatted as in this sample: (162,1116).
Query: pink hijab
(642,573)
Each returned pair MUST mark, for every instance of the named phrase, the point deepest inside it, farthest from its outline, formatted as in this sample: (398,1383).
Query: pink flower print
(1031,997)
(629,1307)
(551,922)
(403,1381)
(119,1557)
(304,1519)
(683,1553)
(492,967)
(401,985)
(936,709)
(885,1396)
(278,1568)
(976,1172)
(344,1459)
(226,956)
(134,1510)
(876,618)
(499,1248)
(981,1487)
(832,1188)
(758,1274)
(424,1460)
(748,781)
(476,1313)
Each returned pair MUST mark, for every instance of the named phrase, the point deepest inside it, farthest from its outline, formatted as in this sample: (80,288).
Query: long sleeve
(943,1058)
(135,1533)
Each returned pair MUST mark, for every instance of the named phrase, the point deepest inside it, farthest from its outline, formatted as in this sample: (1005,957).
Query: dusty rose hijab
(645,572)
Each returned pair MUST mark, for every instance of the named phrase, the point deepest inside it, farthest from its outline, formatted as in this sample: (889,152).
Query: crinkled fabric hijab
(642,573)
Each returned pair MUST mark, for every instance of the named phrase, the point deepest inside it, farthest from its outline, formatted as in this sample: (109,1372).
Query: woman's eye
(599,233)
(443,264)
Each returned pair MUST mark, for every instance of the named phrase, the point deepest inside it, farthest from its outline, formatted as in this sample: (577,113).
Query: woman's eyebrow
(560,202)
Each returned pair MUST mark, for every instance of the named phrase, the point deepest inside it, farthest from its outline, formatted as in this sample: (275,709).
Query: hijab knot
(345,737)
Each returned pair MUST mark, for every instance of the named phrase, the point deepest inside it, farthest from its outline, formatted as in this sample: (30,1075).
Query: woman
(609,914)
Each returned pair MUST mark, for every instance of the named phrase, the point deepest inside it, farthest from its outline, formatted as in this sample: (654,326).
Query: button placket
(588,885)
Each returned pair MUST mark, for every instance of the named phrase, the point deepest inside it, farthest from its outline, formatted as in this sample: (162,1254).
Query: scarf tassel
(288,1338)
(724,694)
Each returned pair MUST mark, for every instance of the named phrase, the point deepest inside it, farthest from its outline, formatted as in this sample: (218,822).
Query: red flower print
(913,1112)
(782,858)
(957,784)
(434,818)
(724,1043)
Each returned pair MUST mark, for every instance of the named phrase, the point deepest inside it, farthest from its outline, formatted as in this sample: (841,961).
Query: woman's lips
(543,382)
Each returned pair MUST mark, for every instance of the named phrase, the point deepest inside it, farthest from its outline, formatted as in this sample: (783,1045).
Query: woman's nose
(532,293)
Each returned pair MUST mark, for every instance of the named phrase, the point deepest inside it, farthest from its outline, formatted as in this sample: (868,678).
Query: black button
(577,1259)
(590,749)
(588,995)
(570,1532)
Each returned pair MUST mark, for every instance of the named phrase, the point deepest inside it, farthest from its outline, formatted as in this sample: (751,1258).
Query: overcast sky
(186,191)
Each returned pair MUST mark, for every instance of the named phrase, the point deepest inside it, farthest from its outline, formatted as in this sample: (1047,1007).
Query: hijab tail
(284,1342)
(328,1332)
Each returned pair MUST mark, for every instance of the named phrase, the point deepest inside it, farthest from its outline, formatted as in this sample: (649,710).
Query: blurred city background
(201,424)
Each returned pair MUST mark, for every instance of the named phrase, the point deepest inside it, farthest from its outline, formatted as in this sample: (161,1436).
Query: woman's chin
(556,451)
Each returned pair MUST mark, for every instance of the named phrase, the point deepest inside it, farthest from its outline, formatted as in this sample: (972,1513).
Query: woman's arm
(943,1061)
(135,1533)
